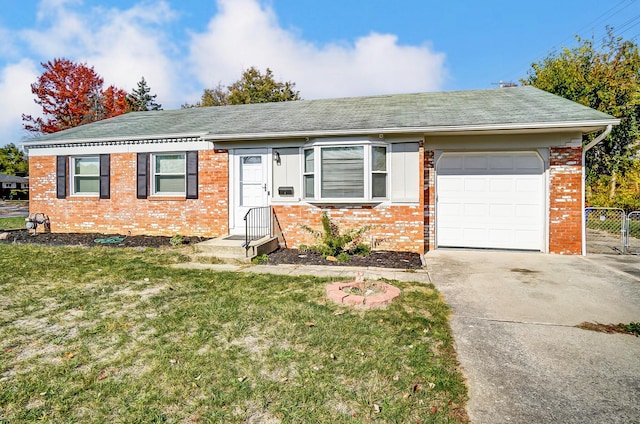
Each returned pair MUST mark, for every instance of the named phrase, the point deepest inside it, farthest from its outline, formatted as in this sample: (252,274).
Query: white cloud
(245,33)
(16,99)
(124,44)
(121,45)
(131,44)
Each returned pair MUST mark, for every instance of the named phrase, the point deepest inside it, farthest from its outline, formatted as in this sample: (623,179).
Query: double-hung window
(378,172)
(355,172)
(169,174)
(308,174)
(85,175)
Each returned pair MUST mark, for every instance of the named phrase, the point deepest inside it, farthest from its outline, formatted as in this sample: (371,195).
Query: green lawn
(13,223)
(116,335)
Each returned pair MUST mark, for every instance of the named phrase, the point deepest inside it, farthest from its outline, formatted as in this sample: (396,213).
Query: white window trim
(368,172)
(154,191)
(72,176)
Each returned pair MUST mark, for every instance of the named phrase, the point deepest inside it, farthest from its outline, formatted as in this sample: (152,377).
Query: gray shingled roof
(518,107)
(4,178)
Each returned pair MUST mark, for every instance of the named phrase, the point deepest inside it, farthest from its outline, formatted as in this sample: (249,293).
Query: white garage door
(490,200)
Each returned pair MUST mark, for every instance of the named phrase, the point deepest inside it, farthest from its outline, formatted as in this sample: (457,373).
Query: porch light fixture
(276,157)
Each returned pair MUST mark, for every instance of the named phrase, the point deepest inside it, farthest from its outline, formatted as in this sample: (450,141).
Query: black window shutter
(142,176)
(61,177)
(104,176)
(192,175)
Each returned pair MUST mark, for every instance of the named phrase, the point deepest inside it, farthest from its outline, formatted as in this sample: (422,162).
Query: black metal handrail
(257,224)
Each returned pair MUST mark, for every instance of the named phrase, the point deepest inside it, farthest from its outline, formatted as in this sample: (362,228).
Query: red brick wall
(206,216)
(565,200)
(393,227)
(429,194)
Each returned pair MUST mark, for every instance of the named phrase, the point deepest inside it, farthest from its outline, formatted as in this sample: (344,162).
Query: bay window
(339,172)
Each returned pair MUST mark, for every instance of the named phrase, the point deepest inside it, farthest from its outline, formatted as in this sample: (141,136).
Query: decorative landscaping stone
(366,296)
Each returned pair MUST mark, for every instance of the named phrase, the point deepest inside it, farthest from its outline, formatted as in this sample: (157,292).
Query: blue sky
(329,48)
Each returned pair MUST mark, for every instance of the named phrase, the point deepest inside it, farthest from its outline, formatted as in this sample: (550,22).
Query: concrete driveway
(514,317)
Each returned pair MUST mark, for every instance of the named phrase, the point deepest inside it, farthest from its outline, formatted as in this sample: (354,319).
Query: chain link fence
(633,233)
(612,231)
(606,230)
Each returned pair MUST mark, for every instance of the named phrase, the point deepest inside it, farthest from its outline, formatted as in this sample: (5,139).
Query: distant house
(11,183)
(498,168)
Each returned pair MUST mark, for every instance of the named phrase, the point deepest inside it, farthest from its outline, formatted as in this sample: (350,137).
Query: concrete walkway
(513,321)
(318,271)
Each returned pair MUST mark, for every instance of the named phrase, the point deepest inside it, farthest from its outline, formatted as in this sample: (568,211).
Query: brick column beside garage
(565,202)
(206,216)
(429,200)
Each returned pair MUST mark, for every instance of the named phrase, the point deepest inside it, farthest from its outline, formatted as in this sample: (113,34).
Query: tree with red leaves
(71,94)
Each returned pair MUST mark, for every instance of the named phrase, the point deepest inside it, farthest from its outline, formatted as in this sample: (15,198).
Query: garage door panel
(452,184)
(475,185)
(476,235)
(475,210)
(501,211)
(450,210)
(501,236)
(527,211)
(500,206)
(529,163)
(501,163)
(501,185)
(527,185)
(475,162)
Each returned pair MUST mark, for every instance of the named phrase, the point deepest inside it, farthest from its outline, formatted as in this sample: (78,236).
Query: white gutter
(585,149)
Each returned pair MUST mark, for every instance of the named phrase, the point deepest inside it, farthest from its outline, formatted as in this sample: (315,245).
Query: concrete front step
(230,250)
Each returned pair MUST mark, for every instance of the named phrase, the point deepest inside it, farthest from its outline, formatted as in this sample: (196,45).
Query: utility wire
(608,14)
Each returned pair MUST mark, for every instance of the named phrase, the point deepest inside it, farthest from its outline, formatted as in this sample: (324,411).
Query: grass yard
(12,223)
(98,335)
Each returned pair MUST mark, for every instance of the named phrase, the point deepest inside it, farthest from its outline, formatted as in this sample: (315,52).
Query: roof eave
(584,126)
(26,144)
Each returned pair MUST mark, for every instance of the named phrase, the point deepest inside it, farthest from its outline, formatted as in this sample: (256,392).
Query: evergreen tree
(140,100)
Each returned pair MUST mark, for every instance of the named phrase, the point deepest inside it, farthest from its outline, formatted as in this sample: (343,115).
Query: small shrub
(361,250)
(19,194)
(343,257)
(329,241)
(303,248)
(176,240)
(260,259)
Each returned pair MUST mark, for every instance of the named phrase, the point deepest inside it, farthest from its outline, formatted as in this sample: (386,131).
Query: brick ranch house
(499,168)
(9,183)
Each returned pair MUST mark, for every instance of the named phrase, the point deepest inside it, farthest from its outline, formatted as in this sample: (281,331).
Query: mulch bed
(88,239)
(378,258)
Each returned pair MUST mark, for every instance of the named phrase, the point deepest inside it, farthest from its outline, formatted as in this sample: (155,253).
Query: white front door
(251,187)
